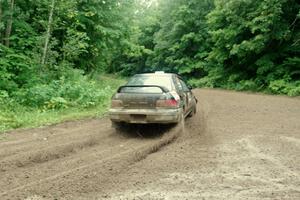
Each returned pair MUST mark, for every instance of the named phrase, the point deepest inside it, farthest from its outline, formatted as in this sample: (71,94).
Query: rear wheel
(118,126)
(181,122)
(193,112)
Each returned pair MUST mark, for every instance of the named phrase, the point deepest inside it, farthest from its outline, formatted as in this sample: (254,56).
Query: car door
(188,95)
(181,93)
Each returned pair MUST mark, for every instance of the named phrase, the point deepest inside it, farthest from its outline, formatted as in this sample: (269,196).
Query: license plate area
(138,117)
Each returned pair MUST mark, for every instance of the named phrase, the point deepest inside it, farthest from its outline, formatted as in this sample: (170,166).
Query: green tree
(254,40)
(181,44)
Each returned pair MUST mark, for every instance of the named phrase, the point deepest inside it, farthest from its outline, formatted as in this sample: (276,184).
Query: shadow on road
(147,131)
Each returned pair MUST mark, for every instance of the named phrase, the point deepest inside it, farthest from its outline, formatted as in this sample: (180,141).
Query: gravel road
(237,146)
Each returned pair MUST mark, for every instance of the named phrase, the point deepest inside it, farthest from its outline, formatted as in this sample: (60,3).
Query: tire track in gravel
(238,146)
(49,153)
(19,142)
(62,164)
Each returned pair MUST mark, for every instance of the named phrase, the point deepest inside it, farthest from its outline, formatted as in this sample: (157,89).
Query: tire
(181,122)
(118,126)
(193,112)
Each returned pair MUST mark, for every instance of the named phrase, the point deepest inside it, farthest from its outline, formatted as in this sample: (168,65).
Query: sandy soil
(238,146)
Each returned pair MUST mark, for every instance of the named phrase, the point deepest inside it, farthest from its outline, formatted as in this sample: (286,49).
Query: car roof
(157,74)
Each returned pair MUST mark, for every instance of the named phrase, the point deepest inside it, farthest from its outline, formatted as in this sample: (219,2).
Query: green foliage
(284,87)
(15,69)
(85,38)
(255,39)
(75,90)
(60,100)
(180,44)
(233,44)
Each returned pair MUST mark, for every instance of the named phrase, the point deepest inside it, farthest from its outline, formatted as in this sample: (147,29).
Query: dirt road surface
(237,146)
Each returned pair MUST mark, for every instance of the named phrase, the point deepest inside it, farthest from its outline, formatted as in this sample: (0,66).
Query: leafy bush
(35,96)
(3,96)
(203,82)
(70,97)
(75,91)
(56,103)
(7,118)
(285,87)
(246,85)
(16,69)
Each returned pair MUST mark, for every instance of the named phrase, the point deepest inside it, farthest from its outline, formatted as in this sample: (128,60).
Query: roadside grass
(15,116)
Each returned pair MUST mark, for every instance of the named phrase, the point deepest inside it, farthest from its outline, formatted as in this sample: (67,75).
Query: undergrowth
(277,87)
(70,97)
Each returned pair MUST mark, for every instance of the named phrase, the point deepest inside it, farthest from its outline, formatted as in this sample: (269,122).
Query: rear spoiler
(164,89)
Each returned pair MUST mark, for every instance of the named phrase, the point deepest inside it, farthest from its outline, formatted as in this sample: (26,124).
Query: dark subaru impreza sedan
(161,98)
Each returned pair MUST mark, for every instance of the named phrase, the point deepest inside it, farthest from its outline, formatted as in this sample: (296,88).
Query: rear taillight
(167,103)
(116,103)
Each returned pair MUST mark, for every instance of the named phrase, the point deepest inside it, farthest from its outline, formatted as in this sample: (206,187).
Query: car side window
(184,86)
(178,84)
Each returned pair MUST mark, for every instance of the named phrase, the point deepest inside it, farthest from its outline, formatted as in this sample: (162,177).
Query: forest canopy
(52,51)
(236,44)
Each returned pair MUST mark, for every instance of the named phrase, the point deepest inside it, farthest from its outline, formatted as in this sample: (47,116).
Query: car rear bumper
(144,116)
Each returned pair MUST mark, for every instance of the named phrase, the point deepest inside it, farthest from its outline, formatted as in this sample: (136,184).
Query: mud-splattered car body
(153,98)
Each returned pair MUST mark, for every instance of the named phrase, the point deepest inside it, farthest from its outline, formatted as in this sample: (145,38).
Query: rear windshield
(151,90)
(164,81)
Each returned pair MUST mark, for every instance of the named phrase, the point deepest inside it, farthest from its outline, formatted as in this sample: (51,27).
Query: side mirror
(190,87)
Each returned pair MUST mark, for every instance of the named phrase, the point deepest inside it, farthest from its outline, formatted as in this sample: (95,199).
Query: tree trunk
(48,33)
(9,23)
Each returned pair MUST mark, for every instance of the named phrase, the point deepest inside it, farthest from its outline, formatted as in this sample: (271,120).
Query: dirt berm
(238,146)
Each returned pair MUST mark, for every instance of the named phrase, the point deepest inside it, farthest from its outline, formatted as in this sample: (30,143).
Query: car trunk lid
(140,97)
